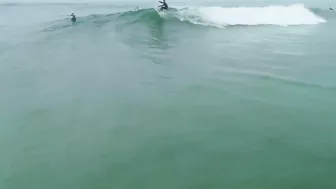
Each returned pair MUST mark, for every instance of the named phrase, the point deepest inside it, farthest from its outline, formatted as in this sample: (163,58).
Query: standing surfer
(164,5)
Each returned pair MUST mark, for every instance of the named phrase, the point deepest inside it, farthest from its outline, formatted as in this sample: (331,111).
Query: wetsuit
(164,5)
(73,17)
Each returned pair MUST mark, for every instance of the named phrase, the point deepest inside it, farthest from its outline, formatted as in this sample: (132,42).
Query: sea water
(236,95)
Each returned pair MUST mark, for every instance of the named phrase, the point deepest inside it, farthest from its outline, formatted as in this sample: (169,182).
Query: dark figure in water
(331,9)
(73,17)
(164,5)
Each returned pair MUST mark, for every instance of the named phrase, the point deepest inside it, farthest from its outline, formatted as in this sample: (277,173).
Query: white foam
(295,14)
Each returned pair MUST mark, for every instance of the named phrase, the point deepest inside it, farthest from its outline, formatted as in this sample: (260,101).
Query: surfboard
(161,13)
(158,10)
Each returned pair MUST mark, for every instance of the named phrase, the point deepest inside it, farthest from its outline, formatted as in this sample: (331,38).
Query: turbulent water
(237,97)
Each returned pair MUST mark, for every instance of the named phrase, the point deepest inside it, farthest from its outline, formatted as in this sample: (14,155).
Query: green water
(132,100)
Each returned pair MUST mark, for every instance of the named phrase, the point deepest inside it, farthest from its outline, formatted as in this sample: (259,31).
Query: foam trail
(295,14)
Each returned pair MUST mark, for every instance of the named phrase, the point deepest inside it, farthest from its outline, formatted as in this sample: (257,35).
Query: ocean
(206,95)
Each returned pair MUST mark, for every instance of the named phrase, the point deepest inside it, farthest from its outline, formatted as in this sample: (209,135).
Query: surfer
(163,6)
(73,17)
(331,9)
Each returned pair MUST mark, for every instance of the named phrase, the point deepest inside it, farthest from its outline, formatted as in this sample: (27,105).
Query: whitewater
(296,14)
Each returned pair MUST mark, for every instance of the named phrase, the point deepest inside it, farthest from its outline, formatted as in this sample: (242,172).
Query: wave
(296,14)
